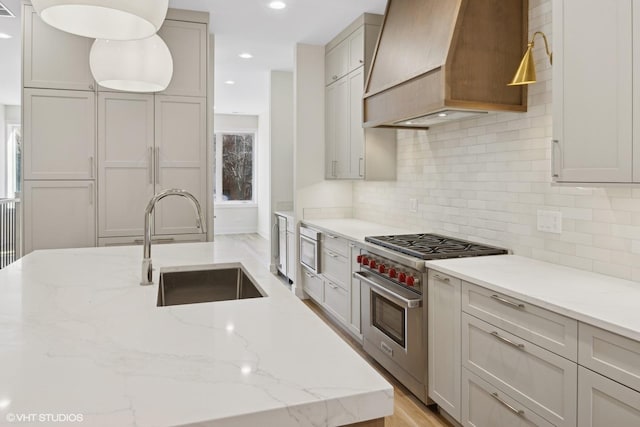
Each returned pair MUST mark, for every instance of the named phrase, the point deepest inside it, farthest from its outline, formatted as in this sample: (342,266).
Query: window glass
(234,163)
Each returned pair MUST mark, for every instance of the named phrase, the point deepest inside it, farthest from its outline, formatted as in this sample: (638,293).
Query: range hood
(443,60)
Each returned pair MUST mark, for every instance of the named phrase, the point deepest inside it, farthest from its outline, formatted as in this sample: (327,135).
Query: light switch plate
(550,221)
(413,205)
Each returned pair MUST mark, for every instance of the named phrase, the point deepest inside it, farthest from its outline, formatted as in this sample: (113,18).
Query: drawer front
(605,403)
(530,374)
(336,300)
(335,244)
(550,330)
(485,406)
(335,267)
(611,355)
(312,285)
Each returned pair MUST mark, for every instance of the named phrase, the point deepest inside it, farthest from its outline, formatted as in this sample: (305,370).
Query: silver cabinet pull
(360,174)
(508,341)
(517,305)
(309,275)
(361,61)
(157,165)
(331,236)
(332,286)
(150,165)
(518,412)
(554,173)
(91,166)
(163,240)
(439,277)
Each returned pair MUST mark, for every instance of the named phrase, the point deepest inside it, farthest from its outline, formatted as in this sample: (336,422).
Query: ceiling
(239,26)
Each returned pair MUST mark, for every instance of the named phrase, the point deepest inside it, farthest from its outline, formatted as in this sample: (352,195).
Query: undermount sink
(196,284)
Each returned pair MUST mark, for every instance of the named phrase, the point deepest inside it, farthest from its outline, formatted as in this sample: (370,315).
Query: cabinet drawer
(610,354)
(605,403)
(312,285)
(335,244)
(335,267)
(530,374)
(486,406)
(543,327)
(336,300)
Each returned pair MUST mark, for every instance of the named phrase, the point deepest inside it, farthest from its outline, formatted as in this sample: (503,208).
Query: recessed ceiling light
(5,36)
(229,82)
(277,5)
(245,55)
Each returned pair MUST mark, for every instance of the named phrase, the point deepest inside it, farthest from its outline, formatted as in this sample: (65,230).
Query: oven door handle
(401,300)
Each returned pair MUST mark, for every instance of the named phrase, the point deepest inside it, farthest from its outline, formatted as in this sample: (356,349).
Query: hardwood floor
(408,411)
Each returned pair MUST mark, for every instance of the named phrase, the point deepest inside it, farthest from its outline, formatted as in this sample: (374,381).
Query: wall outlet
(413,205)
(550,221)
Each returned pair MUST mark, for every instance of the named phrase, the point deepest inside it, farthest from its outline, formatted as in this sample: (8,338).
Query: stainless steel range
(394,291)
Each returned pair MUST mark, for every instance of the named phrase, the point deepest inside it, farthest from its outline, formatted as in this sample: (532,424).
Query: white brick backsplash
(484,179)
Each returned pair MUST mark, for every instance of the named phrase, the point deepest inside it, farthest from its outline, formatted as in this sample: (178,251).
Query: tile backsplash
(485,179)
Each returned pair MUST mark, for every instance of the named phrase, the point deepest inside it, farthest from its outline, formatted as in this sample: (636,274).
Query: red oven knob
(382,268)
(372,264)
(365,260)
(402,277)
(411,280)
(359,259)
(393,273)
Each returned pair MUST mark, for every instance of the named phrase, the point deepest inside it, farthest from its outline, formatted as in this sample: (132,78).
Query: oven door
(394,326)
(310,253)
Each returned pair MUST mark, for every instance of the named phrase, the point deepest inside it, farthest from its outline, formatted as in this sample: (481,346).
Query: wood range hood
(442,60)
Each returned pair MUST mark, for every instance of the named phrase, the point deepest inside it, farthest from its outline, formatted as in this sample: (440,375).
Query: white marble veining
(603,301)
(78,335)
(356,230)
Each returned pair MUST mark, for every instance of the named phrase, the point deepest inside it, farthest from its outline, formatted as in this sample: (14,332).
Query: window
(234,167)
(13,158)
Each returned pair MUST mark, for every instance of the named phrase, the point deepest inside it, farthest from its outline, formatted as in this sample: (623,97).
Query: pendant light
(104,19)
(134,65)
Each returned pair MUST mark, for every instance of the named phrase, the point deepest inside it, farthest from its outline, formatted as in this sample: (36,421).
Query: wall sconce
(132,65)
(526,73)
(104,19)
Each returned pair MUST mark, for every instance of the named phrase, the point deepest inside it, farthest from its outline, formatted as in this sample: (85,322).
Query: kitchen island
(79,337)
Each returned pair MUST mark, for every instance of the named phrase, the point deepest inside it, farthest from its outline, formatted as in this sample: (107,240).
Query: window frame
(217,188)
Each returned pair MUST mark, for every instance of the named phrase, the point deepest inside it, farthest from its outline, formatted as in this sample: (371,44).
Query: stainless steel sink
(189,285)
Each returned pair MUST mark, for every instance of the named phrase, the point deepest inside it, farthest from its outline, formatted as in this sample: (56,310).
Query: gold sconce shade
(526,73)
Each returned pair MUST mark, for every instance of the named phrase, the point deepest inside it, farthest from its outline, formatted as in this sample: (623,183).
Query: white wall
(281,107)
(484,179)
(238,219)
(263,175)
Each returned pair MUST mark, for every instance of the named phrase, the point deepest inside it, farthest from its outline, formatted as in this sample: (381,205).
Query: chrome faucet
(147,268)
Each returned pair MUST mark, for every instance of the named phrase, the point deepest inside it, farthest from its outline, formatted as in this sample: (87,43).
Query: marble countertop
(355,229)
(603,301)
(79,336)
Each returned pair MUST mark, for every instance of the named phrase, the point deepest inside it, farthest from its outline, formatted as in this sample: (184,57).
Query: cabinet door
(181,156)
(444,299)
(187,42)
(356,322)
(54,59)
(125,166)
(356,49)
(59,134)
(356,131)
(605,403)
(59,214)
(337,62)
(291,256)
(593,93)
(337,136)
(336,301)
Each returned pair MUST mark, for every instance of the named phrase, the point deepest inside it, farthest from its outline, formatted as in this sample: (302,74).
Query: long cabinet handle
(439,277)
(91,166)
(519,346)
(163,240)
(150,165)
(157,165)
(360,160)
(556,144)
(505,301)
(518,412)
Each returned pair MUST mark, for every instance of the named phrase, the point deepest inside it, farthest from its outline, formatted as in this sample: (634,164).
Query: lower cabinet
(312,285)
(291,255)
(336,300)
(486,406)
(59,214)
(356,323)
(605,403)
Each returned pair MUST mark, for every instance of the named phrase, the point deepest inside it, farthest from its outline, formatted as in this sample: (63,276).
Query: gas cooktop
(434,246)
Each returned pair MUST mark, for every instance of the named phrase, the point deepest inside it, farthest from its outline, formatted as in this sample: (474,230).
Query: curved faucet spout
(201,223)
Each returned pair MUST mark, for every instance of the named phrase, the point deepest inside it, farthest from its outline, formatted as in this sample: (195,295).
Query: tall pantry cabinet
(93,157)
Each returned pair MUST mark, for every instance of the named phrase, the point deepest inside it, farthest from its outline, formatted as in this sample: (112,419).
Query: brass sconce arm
(546,44)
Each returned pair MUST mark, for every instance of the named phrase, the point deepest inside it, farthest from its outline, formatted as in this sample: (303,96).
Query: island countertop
(80,336)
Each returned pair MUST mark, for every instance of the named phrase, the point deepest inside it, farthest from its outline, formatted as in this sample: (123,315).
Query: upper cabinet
(596,129)
(351,152)
(54,59)
(187,42)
